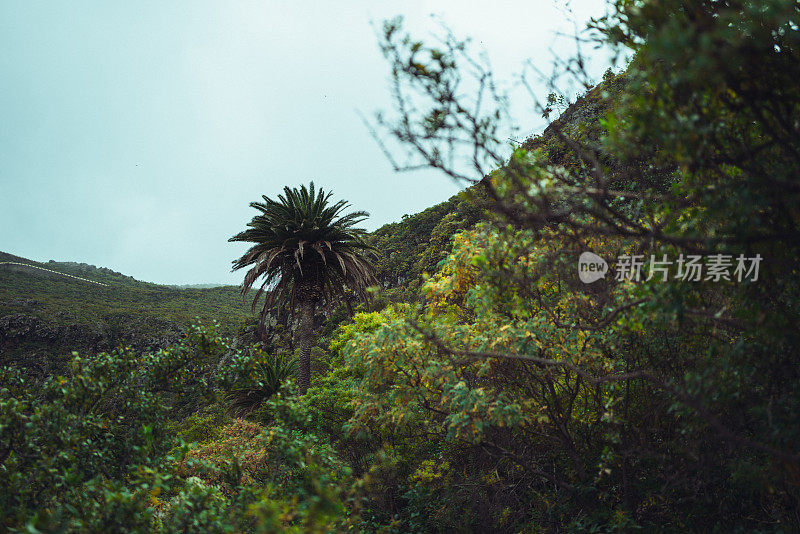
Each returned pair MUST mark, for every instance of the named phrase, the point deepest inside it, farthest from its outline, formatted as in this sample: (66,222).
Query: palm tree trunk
(305,338)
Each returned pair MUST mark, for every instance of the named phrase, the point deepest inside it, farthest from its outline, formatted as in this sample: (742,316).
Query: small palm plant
(265,380)
(305,251)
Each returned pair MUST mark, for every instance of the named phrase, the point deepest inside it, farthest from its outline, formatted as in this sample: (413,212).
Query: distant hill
(196,286)
(57,307)
(71,296)
(84,270)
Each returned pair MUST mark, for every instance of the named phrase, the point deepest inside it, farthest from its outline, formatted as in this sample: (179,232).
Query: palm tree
(305,252)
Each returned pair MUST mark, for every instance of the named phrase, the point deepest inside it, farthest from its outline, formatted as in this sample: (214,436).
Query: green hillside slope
(67,300)
(48,310)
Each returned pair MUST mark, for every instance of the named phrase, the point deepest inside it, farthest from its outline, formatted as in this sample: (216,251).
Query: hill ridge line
(52,271)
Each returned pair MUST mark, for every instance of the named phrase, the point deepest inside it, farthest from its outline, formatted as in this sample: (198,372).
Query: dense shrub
(97,449)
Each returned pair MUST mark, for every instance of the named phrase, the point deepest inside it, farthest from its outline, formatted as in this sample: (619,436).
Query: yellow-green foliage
(238,445)
(203,425)
(409,379)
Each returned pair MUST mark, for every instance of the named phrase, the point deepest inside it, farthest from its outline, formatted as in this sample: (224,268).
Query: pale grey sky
(133,135)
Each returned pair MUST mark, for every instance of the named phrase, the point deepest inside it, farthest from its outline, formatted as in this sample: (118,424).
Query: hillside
(94,308)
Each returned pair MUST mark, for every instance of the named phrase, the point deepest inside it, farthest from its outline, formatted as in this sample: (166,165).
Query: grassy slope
(63,300)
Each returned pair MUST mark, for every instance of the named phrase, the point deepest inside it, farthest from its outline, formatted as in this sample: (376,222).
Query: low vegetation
(68,301)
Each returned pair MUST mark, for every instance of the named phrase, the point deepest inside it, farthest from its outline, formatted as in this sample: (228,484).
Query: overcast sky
(133,135)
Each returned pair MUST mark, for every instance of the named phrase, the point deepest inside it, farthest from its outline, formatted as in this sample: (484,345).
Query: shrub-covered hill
(42,312)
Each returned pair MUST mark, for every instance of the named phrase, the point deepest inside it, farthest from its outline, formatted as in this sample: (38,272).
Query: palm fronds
(265,380)
(305,248)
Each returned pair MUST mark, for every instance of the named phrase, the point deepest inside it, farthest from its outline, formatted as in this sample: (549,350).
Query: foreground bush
(97,449)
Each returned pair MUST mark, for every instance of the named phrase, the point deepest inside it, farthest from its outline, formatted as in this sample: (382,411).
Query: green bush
(97,449)
(267,376)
